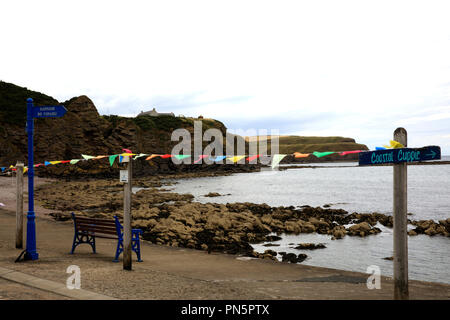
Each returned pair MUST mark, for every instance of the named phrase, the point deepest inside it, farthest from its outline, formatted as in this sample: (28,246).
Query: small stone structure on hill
(155,113)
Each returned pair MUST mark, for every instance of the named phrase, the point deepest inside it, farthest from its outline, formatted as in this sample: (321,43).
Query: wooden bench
(87,229)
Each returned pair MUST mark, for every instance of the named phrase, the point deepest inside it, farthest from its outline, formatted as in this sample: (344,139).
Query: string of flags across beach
(276,158)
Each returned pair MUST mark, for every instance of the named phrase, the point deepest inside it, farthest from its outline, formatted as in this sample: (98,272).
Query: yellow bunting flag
(394,145)
(55,162)
(235,158)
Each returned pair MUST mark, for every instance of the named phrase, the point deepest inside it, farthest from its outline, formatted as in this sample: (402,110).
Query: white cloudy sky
(349,68)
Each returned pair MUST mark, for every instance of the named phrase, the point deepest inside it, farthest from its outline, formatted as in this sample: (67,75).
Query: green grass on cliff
(291,144)
(13,102)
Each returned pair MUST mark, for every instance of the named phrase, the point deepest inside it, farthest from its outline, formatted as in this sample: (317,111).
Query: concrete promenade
(172,273)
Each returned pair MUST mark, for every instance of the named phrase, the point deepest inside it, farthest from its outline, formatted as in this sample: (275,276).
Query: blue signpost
(399,155)
(35,112)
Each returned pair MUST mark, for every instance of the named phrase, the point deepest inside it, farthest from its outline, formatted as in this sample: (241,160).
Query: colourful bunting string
(276,159)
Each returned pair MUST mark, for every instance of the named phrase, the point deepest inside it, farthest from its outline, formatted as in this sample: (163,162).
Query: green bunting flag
(321,154)
(112,158)
(181,156)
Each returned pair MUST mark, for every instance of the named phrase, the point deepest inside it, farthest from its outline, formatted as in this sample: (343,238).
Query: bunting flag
(322,154)
(25,169)
(65,161)
(86,157)
(46,163)
(55,162)
(200,157)
(251,158)
(112,159)
(235,158)
(165,156)
(140,155)
(3,169)
(181,156)
(394,145)
(301,155)
(127,151)
(217,158)
(276,159)
(99,157)
(153,156)
(349,152)
(74,161)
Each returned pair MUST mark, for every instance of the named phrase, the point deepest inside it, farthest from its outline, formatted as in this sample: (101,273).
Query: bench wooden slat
(97,229)
(87,225)
(89,233)
(96,221)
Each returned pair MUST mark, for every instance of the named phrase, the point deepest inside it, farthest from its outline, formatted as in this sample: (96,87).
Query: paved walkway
(175,273)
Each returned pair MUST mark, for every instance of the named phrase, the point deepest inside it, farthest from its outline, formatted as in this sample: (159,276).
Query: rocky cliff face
(83,131)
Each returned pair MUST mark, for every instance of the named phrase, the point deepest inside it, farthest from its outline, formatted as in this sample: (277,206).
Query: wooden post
(401,291)
(127,218)
(19,205)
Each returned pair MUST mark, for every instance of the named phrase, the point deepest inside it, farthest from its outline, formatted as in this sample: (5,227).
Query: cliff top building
(155,113)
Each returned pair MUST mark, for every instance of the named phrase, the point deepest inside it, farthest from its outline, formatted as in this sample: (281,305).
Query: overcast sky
(345,68)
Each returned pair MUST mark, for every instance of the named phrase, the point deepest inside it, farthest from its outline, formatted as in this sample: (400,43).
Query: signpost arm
(30,253)
(127,218)
(401,291)
(19,205)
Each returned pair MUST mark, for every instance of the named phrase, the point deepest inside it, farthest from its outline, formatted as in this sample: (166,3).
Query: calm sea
(355,189)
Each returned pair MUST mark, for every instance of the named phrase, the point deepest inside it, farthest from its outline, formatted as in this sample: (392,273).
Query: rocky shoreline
(173,219)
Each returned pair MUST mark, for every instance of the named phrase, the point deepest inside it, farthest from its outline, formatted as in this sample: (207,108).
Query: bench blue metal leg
(80,238)
(119,250)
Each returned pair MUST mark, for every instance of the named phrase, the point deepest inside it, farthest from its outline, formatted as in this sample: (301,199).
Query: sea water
(355,189)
